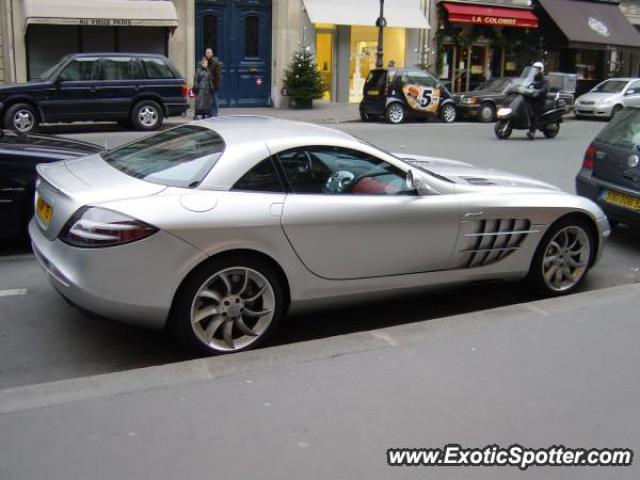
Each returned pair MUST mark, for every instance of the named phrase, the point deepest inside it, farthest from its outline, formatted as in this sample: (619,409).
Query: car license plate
(44,211)
(623,200)
(373,92)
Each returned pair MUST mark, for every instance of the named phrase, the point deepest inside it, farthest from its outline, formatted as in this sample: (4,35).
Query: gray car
(608,98)
(218,228)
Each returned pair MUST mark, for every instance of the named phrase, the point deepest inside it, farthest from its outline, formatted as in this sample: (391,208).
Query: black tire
(536,273)
(616,110)
(21,117)
(503,129)
(146,115)
(448,113)
(365,117)
(487,113)
(181,314)
(395,113)
(551,130)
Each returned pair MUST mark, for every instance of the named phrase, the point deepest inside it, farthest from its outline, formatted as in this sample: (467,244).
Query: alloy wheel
(148,116)
(23,120)
(232,309)
(449,113)
(566,258)
(396,113)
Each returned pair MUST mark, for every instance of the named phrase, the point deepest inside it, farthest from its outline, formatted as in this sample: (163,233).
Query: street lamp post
(381,22)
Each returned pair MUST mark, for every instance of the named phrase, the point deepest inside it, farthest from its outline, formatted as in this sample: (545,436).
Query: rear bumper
(134,283)
(373,107)
(176,108)
(593,188)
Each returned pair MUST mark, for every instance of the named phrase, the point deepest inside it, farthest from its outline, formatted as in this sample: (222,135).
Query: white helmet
(539,65)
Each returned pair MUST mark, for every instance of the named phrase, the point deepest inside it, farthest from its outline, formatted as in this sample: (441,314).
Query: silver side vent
(478,181)
(490,241)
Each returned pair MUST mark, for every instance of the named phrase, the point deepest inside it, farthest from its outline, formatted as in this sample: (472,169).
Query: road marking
(14,292)
(537,309)
(385,337)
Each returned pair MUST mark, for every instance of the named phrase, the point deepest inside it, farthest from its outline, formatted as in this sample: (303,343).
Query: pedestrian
(391,64)
(537,99)
(203,90)
(215,76)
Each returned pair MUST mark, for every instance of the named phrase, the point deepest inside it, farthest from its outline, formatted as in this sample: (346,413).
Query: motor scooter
(516,115)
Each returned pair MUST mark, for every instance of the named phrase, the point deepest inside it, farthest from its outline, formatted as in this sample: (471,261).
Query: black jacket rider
(537,100)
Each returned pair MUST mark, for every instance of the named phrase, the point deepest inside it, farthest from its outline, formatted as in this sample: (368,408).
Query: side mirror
(415,184)
(630,92)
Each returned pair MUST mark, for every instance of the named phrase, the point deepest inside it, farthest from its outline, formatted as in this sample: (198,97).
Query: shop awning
(398,13)
(496,17)
(105,13)
(592,23)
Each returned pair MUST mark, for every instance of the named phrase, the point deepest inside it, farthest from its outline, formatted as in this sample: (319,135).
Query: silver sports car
(216,229)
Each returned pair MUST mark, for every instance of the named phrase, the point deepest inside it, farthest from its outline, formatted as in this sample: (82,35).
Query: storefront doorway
(240,35)
(325,45)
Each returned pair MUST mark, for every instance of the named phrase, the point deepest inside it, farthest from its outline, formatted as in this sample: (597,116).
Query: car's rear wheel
(365,117)
(146,115)
(228,305)
(448,113)
(395,113)
(21,117)
(563,258)
(487,113)
(551,130)
(503,129)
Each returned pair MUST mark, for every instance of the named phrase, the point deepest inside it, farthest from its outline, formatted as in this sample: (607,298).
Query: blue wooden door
(239,31)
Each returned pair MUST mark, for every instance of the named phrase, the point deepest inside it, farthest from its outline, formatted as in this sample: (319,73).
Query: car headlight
(470,100)
(93,227)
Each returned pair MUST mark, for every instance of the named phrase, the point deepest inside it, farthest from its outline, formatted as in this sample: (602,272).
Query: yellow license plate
(373,92)
(623,200)
(44,211)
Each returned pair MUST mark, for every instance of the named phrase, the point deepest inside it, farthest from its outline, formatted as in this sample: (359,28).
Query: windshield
(49,71)
(623,129)
(495,85)
(610,86)
(179,157)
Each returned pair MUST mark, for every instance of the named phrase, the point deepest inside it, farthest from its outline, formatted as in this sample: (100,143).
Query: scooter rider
(537,98)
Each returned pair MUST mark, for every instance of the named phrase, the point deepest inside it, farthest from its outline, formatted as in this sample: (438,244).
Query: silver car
(218,228)
(608,98)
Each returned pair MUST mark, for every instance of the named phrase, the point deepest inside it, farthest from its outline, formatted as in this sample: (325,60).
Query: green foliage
(302,78)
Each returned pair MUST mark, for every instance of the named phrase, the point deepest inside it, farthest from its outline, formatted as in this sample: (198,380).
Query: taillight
(386,90)
(589,158)
(185,90)
(93,227)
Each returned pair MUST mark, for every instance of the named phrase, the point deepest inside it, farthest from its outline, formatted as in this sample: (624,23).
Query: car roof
(116,54)
(622,79)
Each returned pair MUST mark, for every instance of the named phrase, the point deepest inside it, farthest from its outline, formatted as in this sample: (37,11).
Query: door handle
(473,214)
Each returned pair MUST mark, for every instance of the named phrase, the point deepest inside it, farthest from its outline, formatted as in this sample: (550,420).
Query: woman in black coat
(202,89)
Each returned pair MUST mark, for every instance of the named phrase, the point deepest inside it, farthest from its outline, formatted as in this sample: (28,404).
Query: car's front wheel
(21,117)
(563,257)
(228,305)
(146,115)
(449,113)
(615,111)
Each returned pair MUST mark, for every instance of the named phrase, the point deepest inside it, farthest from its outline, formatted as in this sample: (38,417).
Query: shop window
(324,61)
(156,68)
(251,36)
(210,31)
(79,70)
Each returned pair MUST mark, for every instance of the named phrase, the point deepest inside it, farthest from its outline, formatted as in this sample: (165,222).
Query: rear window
(376,80)
(623,129)
(157,68)
(179,157)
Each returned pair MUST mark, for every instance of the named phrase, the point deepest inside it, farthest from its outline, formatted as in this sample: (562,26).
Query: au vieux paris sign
(106,22)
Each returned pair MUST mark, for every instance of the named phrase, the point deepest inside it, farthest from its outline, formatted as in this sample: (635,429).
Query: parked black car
(484,102)
(136,90)
(19,155)
(610,173)
(397,94)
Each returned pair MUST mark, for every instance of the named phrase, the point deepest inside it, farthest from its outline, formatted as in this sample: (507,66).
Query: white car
(608,98)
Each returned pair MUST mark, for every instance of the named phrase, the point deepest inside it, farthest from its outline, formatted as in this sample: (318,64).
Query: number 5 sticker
(425,99)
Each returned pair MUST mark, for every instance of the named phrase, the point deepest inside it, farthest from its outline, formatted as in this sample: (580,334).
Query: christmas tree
(302,79)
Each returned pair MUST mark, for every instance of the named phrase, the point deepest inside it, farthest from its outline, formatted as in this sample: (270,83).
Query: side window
(119,68)
(422,79)
(79,70)
(261,178)
(156,68)
(635,86)
(336,170)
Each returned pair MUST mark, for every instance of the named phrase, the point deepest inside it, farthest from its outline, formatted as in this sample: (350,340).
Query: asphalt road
(43,339)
